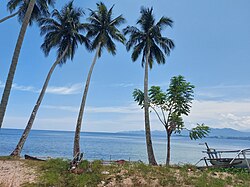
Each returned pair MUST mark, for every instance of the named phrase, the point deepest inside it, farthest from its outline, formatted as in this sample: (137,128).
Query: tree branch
(158,115)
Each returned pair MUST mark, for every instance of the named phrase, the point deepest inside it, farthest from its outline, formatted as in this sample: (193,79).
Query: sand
(14,173)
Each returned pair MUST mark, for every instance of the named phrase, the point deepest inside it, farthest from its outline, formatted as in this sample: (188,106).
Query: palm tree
(149,41)
(27,15)
(102,28)
(61,32)
(40,9)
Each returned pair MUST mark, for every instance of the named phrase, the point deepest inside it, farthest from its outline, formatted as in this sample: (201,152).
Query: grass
(55,172)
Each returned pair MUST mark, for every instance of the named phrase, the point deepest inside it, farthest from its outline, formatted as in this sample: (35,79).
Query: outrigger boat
(235,158)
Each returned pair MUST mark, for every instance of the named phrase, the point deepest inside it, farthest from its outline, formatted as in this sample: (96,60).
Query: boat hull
(225,162)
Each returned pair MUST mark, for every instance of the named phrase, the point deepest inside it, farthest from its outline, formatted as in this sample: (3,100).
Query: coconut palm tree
(149,41)
(19,7)
(30,11)
(102,28)
(62,32)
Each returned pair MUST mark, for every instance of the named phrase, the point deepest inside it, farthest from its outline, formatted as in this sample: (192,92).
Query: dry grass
(55,173)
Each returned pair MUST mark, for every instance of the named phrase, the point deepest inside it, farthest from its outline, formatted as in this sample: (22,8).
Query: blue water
(111,145)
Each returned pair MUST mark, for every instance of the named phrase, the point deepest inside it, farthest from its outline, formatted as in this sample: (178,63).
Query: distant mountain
(214,133)
(228,132)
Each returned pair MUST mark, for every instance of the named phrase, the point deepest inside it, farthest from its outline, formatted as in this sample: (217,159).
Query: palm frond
(117,21)
(164,22)
(150,34)
(138,96)
(13,4)
(41,9)
(62,31)
(110,45)
(103,29)
(137,51)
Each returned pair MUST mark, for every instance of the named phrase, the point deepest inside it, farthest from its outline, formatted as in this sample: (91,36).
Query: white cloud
(114,109)
(226,114)
(65,108)
(230,114)
(59,90)
(224,92)
(90,109)
(123,85)
(65,90)
(23,88)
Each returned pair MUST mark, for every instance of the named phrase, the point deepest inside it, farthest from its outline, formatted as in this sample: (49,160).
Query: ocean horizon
(112,145)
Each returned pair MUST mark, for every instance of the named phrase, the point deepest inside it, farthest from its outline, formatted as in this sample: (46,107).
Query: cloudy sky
(212,41)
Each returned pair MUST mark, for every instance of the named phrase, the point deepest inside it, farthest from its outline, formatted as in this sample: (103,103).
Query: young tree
(149,41)
(62,32)
(29,11)
(102,28)
(171,106)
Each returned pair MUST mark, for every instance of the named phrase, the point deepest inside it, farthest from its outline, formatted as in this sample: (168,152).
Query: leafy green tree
(171,106)
(19,8)
(149,42)
(62,32)
(102,28)
(28,11)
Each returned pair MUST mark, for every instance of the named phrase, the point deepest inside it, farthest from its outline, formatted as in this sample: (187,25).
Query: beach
(14,173)
(55,172)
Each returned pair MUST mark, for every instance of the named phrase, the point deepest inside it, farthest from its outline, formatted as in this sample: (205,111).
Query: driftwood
(28,157)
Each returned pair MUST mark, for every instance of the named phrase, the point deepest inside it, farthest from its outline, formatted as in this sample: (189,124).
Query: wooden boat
(236,158)
(28,157)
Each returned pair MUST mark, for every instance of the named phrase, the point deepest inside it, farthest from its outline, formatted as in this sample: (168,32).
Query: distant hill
(228,132)
(214,133)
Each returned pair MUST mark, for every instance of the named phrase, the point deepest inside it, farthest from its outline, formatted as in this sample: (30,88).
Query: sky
(212,40)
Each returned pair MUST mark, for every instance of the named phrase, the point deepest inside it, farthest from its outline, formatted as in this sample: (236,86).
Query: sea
(113,146)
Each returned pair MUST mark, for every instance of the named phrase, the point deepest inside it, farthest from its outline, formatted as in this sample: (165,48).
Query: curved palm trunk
(7,88)
(8,17)
(80,115)
(25,134)
(151,157)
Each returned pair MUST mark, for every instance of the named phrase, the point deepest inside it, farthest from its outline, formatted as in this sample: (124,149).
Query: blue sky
(212,52)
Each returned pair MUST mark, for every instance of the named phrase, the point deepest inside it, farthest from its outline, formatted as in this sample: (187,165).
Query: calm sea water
(111,145)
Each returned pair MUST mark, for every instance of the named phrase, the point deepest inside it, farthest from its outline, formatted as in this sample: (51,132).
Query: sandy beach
(14,173)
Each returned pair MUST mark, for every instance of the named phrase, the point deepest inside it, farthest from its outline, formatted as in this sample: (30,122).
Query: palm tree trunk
(25,134)
(168,148)
(7,88)
(150,151)
(80,115)
(8,17)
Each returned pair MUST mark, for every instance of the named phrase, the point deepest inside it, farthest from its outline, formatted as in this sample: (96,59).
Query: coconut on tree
(62,32)
(148,41)
(102,29)
(28,11)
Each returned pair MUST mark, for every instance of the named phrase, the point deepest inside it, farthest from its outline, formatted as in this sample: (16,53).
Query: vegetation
(149,41)
(40,9)
(61,33)
(170,106)
(102,28)
(55,173)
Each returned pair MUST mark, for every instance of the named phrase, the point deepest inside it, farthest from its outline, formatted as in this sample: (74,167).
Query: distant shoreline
(215,133)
